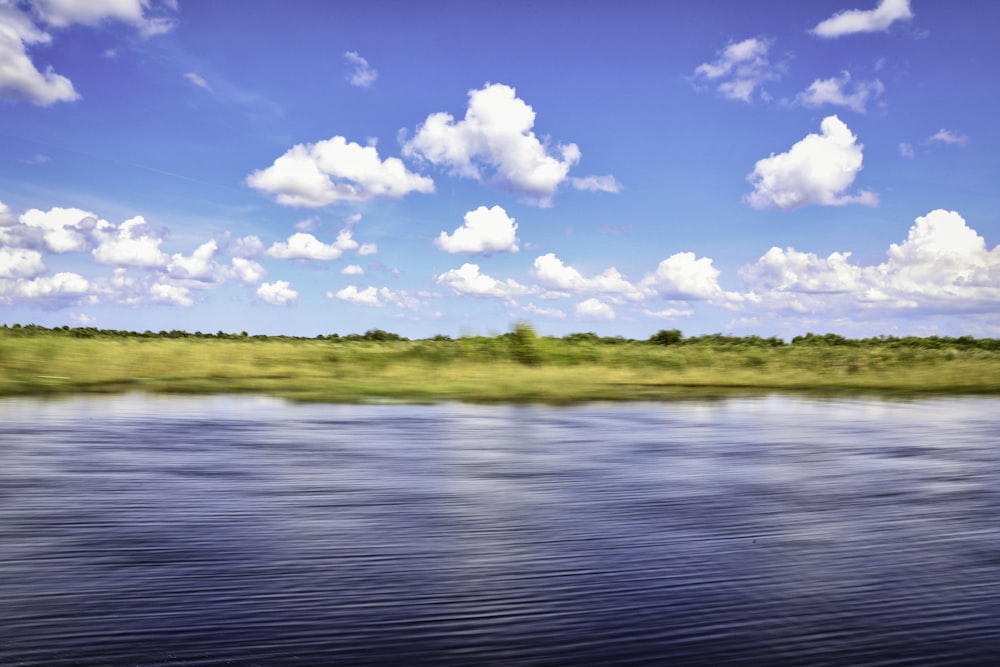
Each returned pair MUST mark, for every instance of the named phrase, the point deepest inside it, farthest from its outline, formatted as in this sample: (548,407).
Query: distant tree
(666,337)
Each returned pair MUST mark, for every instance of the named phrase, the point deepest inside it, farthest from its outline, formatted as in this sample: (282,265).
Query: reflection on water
(162,531)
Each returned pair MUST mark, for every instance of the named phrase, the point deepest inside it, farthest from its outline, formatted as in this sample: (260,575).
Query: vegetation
(515,366)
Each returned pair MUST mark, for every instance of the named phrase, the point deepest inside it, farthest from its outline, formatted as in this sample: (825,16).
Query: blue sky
(307,168)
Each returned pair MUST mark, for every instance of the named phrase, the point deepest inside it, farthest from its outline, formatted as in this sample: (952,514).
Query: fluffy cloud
(352,270)
(248,271)
(853,21)
(377,297)
(307,246)
(486,231)
(593,309)
(174,294)
(739,70)
(816,170)
(469,281)
(335,170)
(248,246)
(496,137)
(943,266)
(199,270)
(130,244)
(684,277)
(21,80)
(552,273)
(57,230)
(20,263)
(835,91)
(60,288)
(363,75)
(607,183)
(278,293)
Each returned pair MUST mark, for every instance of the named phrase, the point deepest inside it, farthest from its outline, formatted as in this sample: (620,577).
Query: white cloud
(198,270)
(58,288)
(278,293)
(685,277)
(853,21)
(376,297)
(367,249)
(175,294)
(906,150)
(57,230)
(130,244)
(669,313)
(197,80)
(307,246)
(554,313)
(469,281)
(247,246)
(607,183)
(943,266)
(496,137)
(335,170)
(20,263)
(593,309)
(816,170)
(553,273)
(739,70)
(834,91)
(248,271)
(486,231)
(363,75)
(948,137)
(19,78)
(352,270)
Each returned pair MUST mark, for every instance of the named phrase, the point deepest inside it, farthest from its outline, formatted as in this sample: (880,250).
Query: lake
(145,530)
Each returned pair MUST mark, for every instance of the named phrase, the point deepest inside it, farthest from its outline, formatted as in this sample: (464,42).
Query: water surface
(143,530)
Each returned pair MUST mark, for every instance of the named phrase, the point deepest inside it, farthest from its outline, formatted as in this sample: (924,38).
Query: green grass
(515,367)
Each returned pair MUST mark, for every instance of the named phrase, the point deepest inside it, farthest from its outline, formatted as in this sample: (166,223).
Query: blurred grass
(515,367)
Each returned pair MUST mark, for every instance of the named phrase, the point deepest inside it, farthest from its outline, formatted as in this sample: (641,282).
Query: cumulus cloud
(278,293)
(739,70)
(486,231)
(943,266)
(948,137)
(352,270)
(21,80)
(247,246)
(173,294)
(553,273)
(363,75)
(306,246)
(376,297)
(469,281)
(554,313)
(838,91)
(495,140)
(20,263)
(816,170)
(594,309)
(61,288)
(333,171)
(199,269)
(130,244)
(57,230)
(685,277)
(852,21)
(248,271)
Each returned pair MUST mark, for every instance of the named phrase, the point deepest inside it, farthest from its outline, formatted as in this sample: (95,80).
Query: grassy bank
(515,367)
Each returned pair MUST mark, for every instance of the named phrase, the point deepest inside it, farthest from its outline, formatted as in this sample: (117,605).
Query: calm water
(177,531)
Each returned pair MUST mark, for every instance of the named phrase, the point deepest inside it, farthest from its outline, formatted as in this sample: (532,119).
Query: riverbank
(515,367)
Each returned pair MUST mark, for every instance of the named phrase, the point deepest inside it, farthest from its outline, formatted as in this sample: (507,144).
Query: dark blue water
(246,531)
